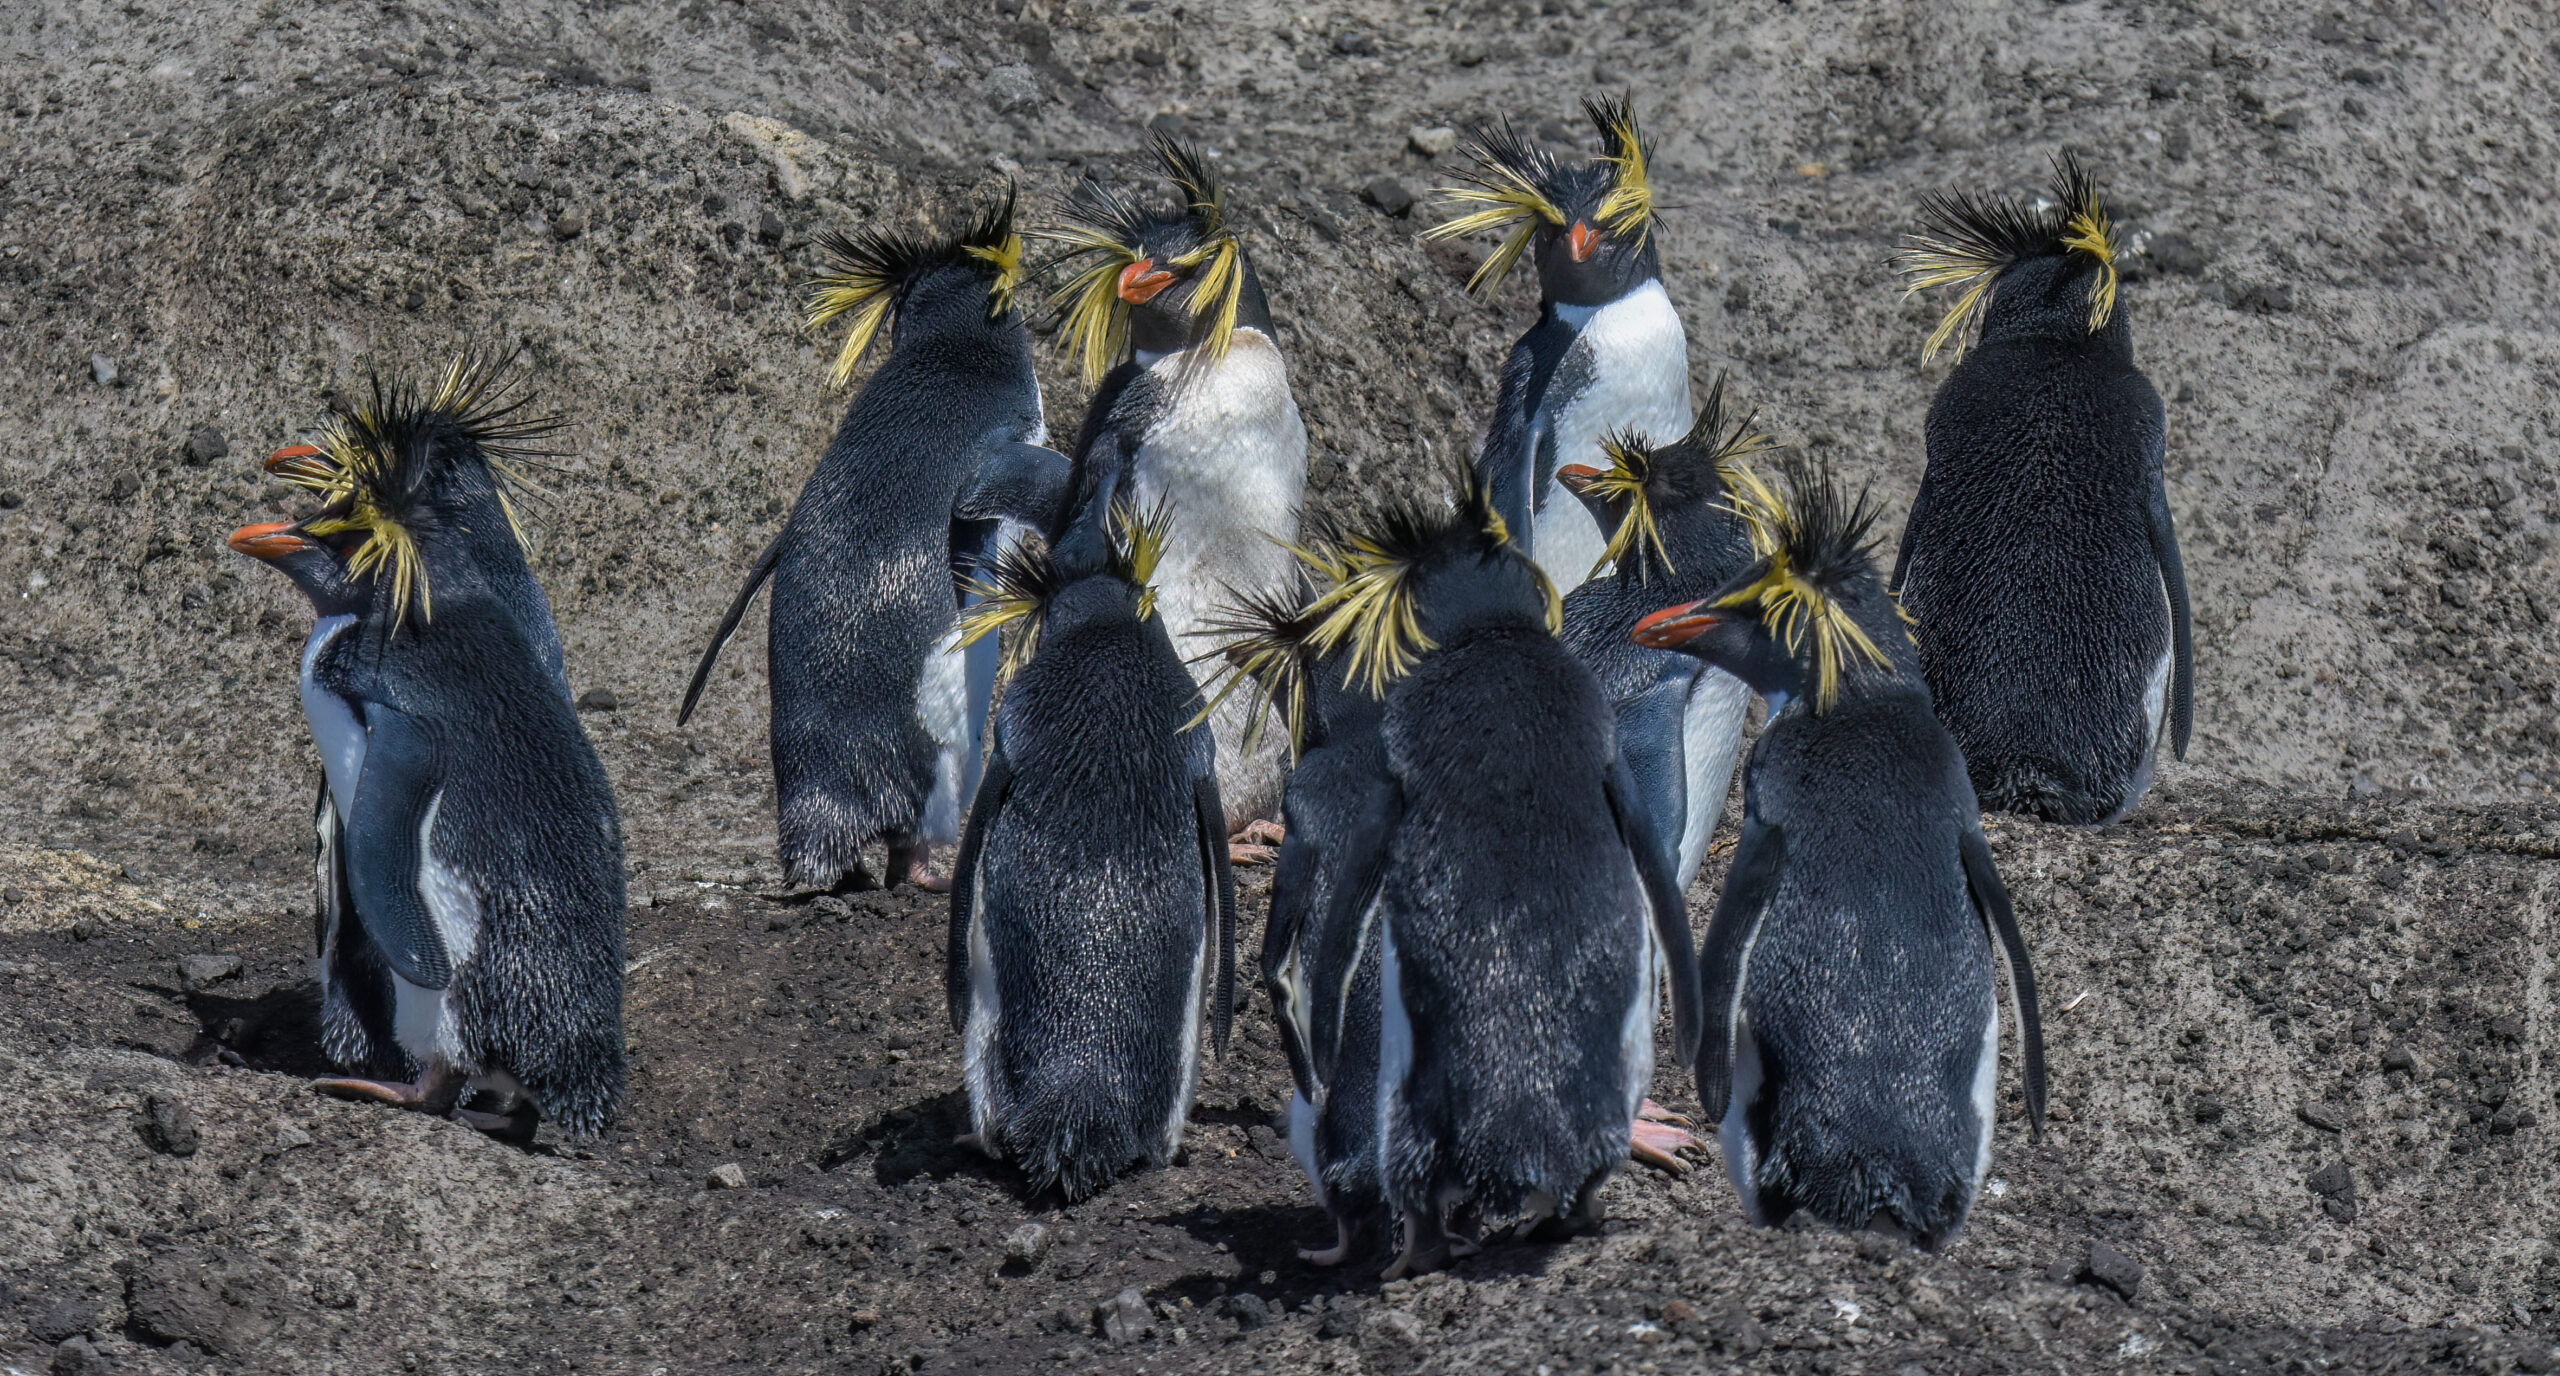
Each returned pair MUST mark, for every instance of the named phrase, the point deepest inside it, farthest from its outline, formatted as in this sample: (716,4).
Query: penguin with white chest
(1607,353)
(877,712)
(1511,885)
(1674,538)
(1192,410)
(475,848)
(2040,563)
(1092,928)
(1852,1042)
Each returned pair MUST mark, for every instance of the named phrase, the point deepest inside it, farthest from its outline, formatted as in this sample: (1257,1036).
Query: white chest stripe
(334,727)
(449,897)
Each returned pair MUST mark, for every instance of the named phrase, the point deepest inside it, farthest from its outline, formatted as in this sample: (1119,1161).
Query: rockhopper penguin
(1193,410)
(2040,562)
(1607,352)
(1092,912)
(1674,538)
(1853,1031)
(1516,897)
(472,887)
(877,713)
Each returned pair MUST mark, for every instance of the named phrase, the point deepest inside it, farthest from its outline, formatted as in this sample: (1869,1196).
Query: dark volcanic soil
(2300,1006)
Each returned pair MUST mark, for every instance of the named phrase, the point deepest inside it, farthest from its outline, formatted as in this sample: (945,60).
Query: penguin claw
(1261,832)
(1334,1255)
(1652,1112)
(1654,1143)
(1238,853)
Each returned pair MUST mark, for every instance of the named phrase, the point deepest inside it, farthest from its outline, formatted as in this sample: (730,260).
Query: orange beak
(291,453)
(1673,627)
(1141,280)
(301,462)
(1580,241)
(273,540)
(1577,475)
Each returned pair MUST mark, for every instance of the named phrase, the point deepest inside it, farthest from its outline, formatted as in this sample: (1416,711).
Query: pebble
(1392,1329)
(1431,141)
(64,1319)
(2336,1186)
(205,970)
(1355,43)
(769,230)
(1123,1318)
(1388,194)
(2400,1058)
(1468,53)
(169,1126)
(728,1175)
(78,1357)
(1250,1311)
(571,224)
(102,370)
(2177,253)
(2326,1117)
(1029,1243)
(1012,89)
(2113,1269)
(2208,1109)
(206,445)
(599,700)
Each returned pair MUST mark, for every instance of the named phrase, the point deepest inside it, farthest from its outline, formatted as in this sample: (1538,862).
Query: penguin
(2040,561)
(876,714)
(1607,352)
(1673,537)
(1852,1040)
(474,850)
(1192,408)
(1510,884)
(1092,909)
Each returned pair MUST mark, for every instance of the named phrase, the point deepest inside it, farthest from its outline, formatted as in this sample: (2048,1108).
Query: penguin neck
(1579,315)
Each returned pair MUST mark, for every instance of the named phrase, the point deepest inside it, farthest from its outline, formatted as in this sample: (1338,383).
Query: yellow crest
(867,268)
(1374,576)
(1103,231)
(1967,241)
(1629,202)
(1017,588)
(1507,183)
(1808,541)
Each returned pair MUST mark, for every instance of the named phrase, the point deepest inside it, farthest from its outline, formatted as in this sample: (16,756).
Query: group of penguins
(1490,726)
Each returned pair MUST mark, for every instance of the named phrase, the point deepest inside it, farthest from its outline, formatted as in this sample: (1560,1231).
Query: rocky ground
(2300,1003)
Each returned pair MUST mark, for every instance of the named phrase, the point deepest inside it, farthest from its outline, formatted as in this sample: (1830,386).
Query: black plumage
(2040,562)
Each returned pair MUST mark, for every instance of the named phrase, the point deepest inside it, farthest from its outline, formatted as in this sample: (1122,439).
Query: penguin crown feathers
(868,269)
(1025,578)
(384,461)
(1812,537)
(1718,441)
(1516,186)
(1106,232)
(1270,646)
(1373,579)
(1967,241)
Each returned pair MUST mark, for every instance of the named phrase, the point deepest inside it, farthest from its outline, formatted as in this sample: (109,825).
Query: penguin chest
(1634,358)
(334,725)
(1229,458)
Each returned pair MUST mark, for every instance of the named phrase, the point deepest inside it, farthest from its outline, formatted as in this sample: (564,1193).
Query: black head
(1160,281)
(2046,270)
(876,276)
(1587,227)
(319,570)
(1103,566)
(1420,574)
(1804,621)
(1649,488)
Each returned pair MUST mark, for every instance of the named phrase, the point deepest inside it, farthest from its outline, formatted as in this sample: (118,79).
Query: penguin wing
(760,571)
(1748,887)
(1670,913)
(1219,877)
(1991,899)
(386,848)
(1282,927)
(2173,575)
(1652,744)
(1508,461)
(1359,872)
(993,787)
(1910,523)
(1024,483)
(331,867)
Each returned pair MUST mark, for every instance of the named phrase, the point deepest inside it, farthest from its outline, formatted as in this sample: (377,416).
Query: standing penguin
(876,711)
(1194,411)
(1092,911)
(1853,1031)
(1607,351)
(1674,537)
(475,881)
(2040,563)
(1511,885)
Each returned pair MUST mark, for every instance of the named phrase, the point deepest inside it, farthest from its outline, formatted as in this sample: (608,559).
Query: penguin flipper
(993,786)
(1991,898)
(1670,912)
(1359,872)
(1757,859)
(387,849)
(762,570)
(2173,576)
(1657,780)
(1219,871)
(1509,459)
(1009,481)
(1282,928)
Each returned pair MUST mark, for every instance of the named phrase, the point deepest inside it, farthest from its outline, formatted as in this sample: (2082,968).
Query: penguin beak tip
(1673,627)
(1581,241)
(271,540)
(1141,280)
(1577,476)
(290,455)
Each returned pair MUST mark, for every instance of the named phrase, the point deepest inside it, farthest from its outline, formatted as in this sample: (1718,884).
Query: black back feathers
(1968,240)
(868,268)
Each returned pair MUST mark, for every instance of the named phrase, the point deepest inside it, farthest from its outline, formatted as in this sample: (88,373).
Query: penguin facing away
(1512,888)
(1092,911)
(470,833)
(1673,538)
(1852,1031)
(1192,409)
(2040,561)
(1607,352)
(876,712)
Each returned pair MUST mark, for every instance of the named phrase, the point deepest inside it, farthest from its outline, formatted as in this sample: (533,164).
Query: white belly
(942,702)
(1710,746)
(1639,360)
(334,727)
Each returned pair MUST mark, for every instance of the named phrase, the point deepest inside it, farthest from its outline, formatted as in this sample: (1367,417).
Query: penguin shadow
(277,1031)
(914,1141)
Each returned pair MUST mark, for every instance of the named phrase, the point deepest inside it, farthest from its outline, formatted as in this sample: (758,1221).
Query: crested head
(1378,570)
(1815,545)
(1971,242)
(868,271)
(1644,479)
(400,466)
(1587,220)
(1121,257)
(1018,588)
(1267,651)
